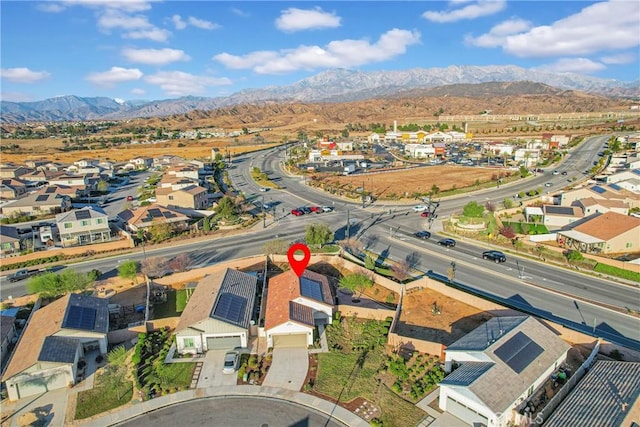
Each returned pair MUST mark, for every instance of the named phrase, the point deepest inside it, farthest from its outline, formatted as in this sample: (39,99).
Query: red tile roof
(608,225)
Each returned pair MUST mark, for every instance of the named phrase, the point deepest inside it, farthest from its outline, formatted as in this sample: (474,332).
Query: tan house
(183,171)
(7,332)
(42,175)
(218,314)
(598,192)
(55,339)
(12,188)
(13,171)
(175,182)
(83,227)
(193,197)
(38,204)
(63,190)
(605,233)
(294,306)
(590,206)
(10,241)
(147,216)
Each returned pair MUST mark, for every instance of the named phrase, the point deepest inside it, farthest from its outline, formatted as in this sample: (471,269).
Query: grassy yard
(527,228)
(346,376)
(179,375)
(102,397)
(176,301)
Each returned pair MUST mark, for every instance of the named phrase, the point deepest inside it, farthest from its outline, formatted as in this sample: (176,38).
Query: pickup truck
(22,274)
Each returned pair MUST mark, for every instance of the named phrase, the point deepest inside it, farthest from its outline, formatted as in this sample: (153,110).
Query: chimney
(395,126)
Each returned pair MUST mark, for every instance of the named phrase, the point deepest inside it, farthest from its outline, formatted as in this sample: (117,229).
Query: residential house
(7,334)
(606,233)
(590,206)
(141,162)
(147,216)
(420,151)
(499,365)
(176,183)
(167,160)
(10,241)
(554,216)
(633,162)
(13,171)
(344,146)
(63,190)
(55,166)
(38,204)
(608,395)
(12,188)
(631,185)
(35,164)
(85,163)
(561,140)
(53,342)
(599,192)
(79,181)
(83,227)
(193,197)
(42,175)
(294,306)
(374,138)
(183,171)
(218,314)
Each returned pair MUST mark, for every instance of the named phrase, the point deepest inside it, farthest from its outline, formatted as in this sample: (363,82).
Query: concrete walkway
(131,411)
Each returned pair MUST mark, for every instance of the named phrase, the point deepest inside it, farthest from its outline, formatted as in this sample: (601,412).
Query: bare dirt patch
(428,315)
(417,180)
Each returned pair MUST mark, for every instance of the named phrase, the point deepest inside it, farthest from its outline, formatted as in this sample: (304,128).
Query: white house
(499,365)
(294,306)
(55,339)
(218,314)
(591,205)
(527,157)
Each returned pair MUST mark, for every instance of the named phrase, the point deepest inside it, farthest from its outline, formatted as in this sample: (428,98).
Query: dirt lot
(32,149)
(453,320)
(418,180)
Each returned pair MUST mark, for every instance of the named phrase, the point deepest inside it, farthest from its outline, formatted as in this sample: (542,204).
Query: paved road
(235,411)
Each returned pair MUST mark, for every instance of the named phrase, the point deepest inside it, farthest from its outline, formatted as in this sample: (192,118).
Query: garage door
(293,340)
(42,385)
(223,343)
(464,413)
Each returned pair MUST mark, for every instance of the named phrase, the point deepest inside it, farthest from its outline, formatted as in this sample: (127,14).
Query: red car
(425,214)
(316,209)
(297,212)
(129,198)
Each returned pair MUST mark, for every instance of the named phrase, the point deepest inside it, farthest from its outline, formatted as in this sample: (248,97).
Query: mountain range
(331,86)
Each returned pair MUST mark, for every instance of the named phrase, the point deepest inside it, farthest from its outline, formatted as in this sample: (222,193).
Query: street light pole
(264,215)
(348,225)
(363,193)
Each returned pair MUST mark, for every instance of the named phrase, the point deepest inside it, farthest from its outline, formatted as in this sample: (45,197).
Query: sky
(153,50)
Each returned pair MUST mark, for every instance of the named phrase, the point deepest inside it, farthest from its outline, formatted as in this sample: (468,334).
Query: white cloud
(155,34)
(600,27)
(497,35)
(573,65)
(115,19)
(16,97)
(340,53)
(125,5)
(155,56)
(178,83)
(178,22)
(621,58)
(50,7)
(239,12)
(114,75)
(474,10)
(22,75)
(202,24)
(138,91)
(294,19)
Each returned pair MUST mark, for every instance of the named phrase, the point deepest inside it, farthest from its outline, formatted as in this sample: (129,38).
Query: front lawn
(527,228)
(104,396)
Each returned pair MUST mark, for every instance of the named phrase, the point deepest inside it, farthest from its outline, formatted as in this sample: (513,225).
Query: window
(170,197)
(85,222)
(188,342)
(99,220)
(68,225)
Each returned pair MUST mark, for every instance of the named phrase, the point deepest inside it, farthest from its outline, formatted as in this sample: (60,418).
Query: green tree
(51,285)
(473,210)
(369,263)
(129,270)
(574,256)
(102,186)
(227,208)
(508,203)
(318,234)
(160,231)
(345,133)
(356,282)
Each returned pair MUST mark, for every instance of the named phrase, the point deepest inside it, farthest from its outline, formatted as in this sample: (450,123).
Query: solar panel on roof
(310,288)
(50,190)
(230,307)
(615,186)
(155,213)
(42,198)
(559,210)
(81,318)
(83,214)
(598,189)
(518,352)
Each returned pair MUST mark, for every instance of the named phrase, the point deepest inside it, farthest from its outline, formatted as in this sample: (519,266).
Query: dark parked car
(422,234)
(450,243)
(496,256)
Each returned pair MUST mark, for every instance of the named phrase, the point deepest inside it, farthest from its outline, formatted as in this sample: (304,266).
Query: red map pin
(298,266)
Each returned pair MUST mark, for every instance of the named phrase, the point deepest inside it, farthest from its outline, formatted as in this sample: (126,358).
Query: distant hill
(334,86)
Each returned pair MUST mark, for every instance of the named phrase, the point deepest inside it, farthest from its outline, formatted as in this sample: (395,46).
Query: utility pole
(264,214)
(348,225)
(363,193)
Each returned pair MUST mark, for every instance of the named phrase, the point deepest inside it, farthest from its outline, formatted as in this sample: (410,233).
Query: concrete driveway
(211,374)
(288,369)
(50,407)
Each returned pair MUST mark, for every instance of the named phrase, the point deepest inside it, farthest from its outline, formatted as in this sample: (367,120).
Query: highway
(552,292)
